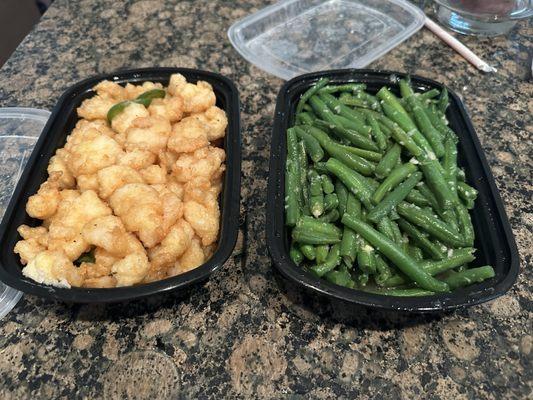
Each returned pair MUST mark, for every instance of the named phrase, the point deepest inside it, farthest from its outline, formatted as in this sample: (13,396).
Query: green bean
(305,118)
(410,292)
(342,195)
(469,276)
(401,136)
(449,216)
(333,259)
(465,224)
(438,122)
(353,205)
(430,223)
(308,108)
(388,162)
(415,252)
(341,277)
(358,121)
(421,240)
(395,177)
(395,254)
(430,94)
(314,150)
(348,249)
(367,154)
(350,100)
(330,216)
(331,201)
(347,87)
(379,137)
(372,101)
(466,192)
(461,176)
(449,163)
(429,196)
(355,182)
(327,184)
(437,183)
(292,180)
(321,253)
(362,278)
(354,137)
(416,197)
(302,161)
(384,226)
(316,196)
(432,135)
(366,258)
(320,167)
(308,251)
(394,198)
(405,88)
(310,92)
(335,150)
(302,236)
(296,255)
(383,270)
(443,102)
(457,258)
(386,96)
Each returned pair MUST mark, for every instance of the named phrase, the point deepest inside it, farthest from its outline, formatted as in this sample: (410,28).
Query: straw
(458,47)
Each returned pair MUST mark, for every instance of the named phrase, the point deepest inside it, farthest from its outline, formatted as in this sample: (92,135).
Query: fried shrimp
(134,198)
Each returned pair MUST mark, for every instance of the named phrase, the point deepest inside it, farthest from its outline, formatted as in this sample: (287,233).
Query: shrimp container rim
(53,136)
(495,243)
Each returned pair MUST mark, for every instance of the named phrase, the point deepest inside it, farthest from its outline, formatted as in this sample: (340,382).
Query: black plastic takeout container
(59,125)
(494,239)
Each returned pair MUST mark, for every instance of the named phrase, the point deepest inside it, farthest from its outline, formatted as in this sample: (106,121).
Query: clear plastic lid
(294,37)
(19,130)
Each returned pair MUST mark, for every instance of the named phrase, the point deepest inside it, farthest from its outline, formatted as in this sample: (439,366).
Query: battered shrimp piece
(141,210)
(131,269)
(148,133)
(216,121)
(188,135)
(44,204)
(92,155)
(196,98)
(111,89)
(95,107)
(84,127)
(154,174)
(113,177)
(133,91)
(205,162)
(125,119)
(170,108)
(109,233)
(204,218)
(167,159)
(87,182)
(53,268)
(192,258)
(101,282)
(137,159)
(66,226)
(28,249)
(177,241)
(58,167)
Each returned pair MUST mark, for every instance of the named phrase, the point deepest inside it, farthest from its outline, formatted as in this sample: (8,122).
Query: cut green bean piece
(421,240)
(395,177)
(310,92)
(411,292)
(333,259)
(296,255)
(469,276)
(389,161)
(432,135)
(313,148)
(321,253)
(331,201)
(393,198)
(355,182)
(395,254)
(342,195)
(292,180)
(378,135)
(348,249)
(327,184)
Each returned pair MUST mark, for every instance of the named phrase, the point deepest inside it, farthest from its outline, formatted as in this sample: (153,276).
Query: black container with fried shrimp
(494,242)
(63,119)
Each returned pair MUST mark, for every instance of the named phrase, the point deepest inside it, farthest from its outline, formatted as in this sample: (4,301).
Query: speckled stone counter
(244,333)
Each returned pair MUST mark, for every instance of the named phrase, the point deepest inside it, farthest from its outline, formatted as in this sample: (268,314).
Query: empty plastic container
(294,37)
(19,130)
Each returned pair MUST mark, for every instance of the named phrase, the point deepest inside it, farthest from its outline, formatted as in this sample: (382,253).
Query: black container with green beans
(380,195)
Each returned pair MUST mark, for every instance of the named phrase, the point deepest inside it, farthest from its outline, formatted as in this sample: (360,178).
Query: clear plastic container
(19,130)
(294,37)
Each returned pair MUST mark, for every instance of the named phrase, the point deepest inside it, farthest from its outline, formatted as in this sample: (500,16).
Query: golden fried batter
(134,200)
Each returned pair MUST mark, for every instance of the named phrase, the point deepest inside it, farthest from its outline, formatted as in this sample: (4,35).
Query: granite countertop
(244,333)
